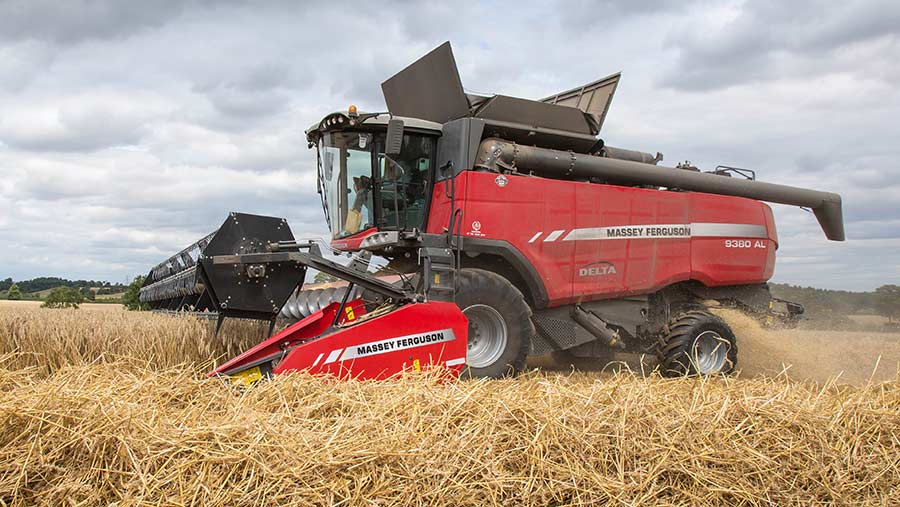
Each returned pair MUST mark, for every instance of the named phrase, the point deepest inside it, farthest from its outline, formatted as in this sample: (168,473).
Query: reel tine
(176,277)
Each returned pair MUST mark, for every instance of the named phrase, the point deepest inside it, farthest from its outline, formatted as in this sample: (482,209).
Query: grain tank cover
(592,98)
(431,89)
(513,110)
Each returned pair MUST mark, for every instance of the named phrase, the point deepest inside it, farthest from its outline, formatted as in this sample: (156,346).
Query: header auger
(520,233)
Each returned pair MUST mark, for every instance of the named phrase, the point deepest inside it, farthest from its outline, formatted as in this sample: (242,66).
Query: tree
(6,284)
(322,277)
(887,301)
(132,297)
(14,292)
(87,293)
(64,297)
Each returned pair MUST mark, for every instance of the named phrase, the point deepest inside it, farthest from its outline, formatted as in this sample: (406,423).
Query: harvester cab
(369,184)
(519,231)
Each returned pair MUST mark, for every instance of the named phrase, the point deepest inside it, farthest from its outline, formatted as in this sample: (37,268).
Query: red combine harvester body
(515,231)
(590,241)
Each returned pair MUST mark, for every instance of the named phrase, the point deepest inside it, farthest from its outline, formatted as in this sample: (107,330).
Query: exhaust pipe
(496,155)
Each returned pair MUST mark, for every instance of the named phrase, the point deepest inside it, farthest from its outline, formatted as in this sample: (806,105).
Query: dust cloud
(816,355)
(799,354)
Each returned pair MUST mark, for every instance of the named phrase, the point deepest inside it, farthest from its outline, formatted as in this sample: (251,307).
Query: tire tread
(674,350)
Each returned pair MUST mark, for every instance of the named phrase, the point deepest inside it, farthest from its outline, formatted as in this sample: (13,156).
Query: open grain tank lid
(430,89)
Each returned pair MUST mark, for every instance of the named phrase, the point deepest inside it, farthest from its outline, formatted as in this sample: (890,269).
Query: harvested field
(804,354)
(111,408)
(841,357)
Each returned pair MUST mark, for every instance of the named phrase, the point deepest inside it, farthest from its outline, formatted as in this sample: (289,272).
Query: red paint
(528,205)
(351,243)
(308,344)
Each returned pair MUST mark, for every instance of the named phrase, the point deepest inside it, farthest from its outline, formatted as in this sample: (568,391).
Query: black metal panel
(555,325)
(233,290)
(593,98)
(364,280)
(429,89)
(627,313)
(535,114)
(458,146)
(540,345)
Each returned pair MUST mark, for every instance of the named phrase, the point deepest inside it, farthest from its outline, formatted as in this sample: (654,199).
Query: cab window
(405,183)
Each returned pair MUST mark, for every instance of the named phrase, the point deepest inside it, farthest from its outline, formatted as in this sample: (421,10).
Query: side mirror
(394,140)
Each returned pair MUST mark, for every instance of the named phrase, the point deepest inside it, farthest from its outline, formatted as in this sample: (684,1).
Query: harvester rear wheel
(500,328)
(698,343)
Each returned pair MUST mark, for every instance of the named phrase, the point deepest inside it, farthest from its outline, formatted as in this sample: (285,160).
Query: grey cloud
(768,37)
(78,124)
(79,20)
(22,63)
(233,101)
(575,14)
(244,92)
(74,134)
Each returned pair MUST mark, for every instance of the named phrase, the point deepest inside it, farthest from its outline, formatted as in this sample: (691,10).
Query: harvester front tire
(492,304)
(698,343)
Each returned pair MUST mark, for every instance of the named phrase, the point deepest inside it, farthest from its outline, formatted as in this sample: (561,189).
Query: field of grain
(104,407)
(105,307)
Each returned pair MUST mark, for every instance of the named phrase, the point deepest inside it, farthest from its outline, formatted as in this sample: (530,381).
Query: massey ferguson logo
(476,230)
(601,268)
(394,344)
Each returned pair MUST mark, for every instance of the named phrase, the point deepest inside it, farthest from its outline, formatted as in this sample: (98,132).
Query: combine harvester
(522,232)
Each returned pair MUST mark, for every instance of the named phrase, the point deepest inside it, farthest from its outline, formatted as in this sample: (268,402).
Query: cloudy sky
(129,129)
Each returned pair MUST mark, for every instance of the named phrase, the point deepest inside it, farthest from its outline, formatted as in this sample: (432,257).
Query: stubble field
(105,407)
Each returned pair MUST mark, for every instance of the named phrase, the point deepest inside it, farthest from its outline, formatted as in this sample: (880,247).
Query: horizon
(126,283)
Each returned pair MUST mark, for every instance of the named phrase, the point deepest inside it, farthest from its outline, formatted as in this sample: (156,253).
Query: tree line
(884,300)
(51,282)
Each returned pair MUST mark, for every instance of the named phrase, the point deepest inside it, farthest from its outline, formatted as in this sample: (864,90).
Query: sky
(129,129)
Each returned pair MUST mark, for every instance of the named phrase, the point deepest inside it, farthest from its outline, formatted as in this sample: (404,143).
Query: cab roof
(343,119)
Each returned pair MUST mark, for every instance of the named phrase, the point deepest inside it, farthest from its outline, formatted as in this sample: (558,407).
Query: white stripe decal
(318,359)
(457,361)
(654,231)
(535,237)
(332,357)
(729,230)
(553,235)
(667,231)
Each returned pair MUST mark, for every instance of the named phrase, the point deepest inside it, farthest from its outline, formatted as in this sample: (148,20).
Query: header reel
(192,281)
